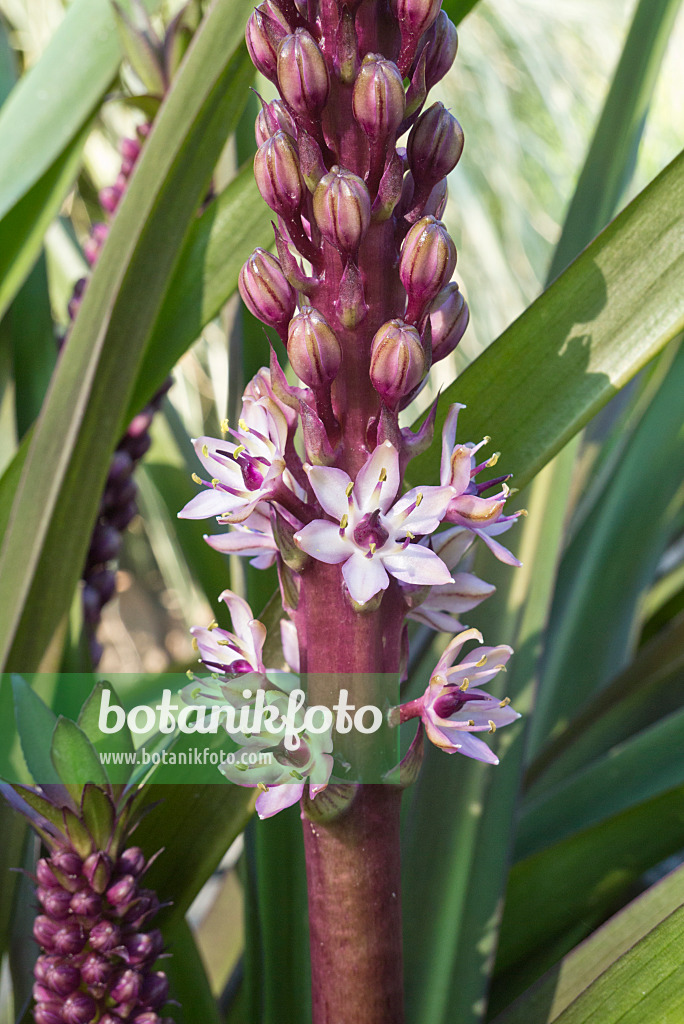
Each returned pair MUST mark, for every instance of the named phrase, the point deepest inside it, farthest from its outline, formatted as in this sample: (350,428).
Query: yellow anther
(262,786)
(371,547)
(481,662)
(225,426)
(344,522)
(205,450)
(223,643)
(411,536)
(197,479)
(465,684)
(492,727)
(348,489)
(486,439)
(214,481)
(500,668)
(505,702)
(471,721)
(522,512)
(419,498)
(506,490)
(242,425)
(239,450)
(383,475)
(212,625)
(190,674)
(195,645)
(492,461)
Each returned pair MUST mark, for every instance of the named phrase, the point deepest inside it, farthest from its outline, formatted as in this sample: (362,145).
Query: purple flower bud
(127,986)
(278,178)
(131,862)
(443,40)
(110,1018)
(302,73)
(146,1018)
(271,118)
(104,582)
(43,965)
(110,197)
(398,362)
(136,444)
(92,604)
(155,990)
(435,204)
(130,149)
(266,291)
(95,241)
(313,348)
(105,544)
(77,297)
(434,145)
(96,970)
(105,936)
(120,468)
(44,931)
(122,892)
(428,258)
(415,17)
(44,874)
(145,906)
(79,1008)
(54,901)
(342,209)
(378,99)
(86,903)
(48,1013)
(67,863)
(42,994)
(449,317)
(98,870)
(70,938)
(263,36)
(144,946)
(63,978)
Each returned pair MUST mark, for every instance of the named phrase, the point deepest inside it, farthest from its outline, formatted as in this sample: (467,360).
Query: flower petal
(370,492)
(322,541)
(426,516)
(330,487)
(417,565)
(497,549)
(448,441)
(471,746)
(469,510)
(209,502)
(277,798)
(364,577)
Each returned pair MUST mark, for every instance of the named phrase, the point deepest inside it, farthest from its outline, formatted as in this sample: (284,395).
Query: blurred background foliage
(587,808)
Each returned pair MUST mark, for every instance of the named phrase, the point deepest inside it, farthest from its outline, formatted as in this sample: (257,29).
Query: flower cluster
(359,292)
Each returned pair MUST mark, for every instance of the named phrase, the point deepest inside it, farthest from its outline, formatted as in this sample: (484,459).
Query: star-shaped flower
(231,654)
(374,536)
(439,607)
(252,538)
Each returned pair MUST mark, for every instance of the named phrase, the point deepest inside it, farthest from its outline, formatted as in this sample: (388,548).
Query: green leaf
(582,340)
(120,742)
(74,758)
(35,724)
(29,321)
(82,418)
(97,811)
(565,982)
(457,9)
(205,278)
(188,982)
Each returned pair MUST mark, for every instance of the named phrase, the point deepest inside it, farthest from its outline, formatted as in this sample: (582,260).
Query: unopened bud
(448,319)
(271,118)
(342,209)
(313,348)
(435,204)
(144,946)
(263,36)
(428,259)
(96,970)
(44,874)
(434,145)
(398,361)
(276,169)
(55,902)
(378,99)
(105,936)
(131,862)
(79,1008)
(127,986)
(265,290)
(415,17)
(302,73)
(98,870)
(443,40)
(86,903)
(63,978)
(69,939)
(155,990)
(122,892)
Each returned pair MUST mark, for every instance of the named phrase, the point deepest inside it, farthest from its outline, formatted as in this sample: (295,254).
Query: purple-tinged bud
(278,178)
(105,544)
(122,892)
(313,348)
(127,986)
(63,978)
(263,36)
(148,1017)
(146,905)
(131,862)
(42,994)
(43,965)
(266,291)
(130,149)
(378,99)
(98,870)
(110,197)
(48,1013)
(94,242)
(449,317)
(144,946)
(105,936)
(104,582)
(69,939)
(55,902)
(155,990)
(120,468)
(79,1008)
(434,145)
(398,362)
(273,117)
(435,204)
(96,971)
(302,73)
(443,40)
(86,903)
(44,931)
(110,1018)
(342,209)
(67,863)
(428,259)
(44,874)
(350,305)
(415,17)
(311,161)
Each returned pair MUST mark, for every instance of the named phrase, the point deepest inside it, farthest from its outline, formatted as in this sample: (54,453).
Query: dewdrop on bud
(428,259)
(434,145)
(263,35)
(342,209)
(378,99)
(449,317)
(265,290)
(278,178)
(302,73)
(313,348)
(271,118)
(398,362)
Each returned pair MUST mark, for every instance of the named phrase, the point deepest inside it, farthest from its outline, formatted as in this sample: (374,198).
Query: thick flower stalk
(98,949)
(353,165)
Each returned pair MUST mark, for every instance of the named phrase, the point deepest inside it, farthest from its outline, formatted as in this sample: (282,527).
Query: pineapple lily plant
(371,592)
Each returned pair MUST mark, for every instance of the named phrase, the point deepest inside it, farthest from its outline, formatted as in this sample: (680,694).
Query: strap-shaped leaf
(83,415)
(35,725)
